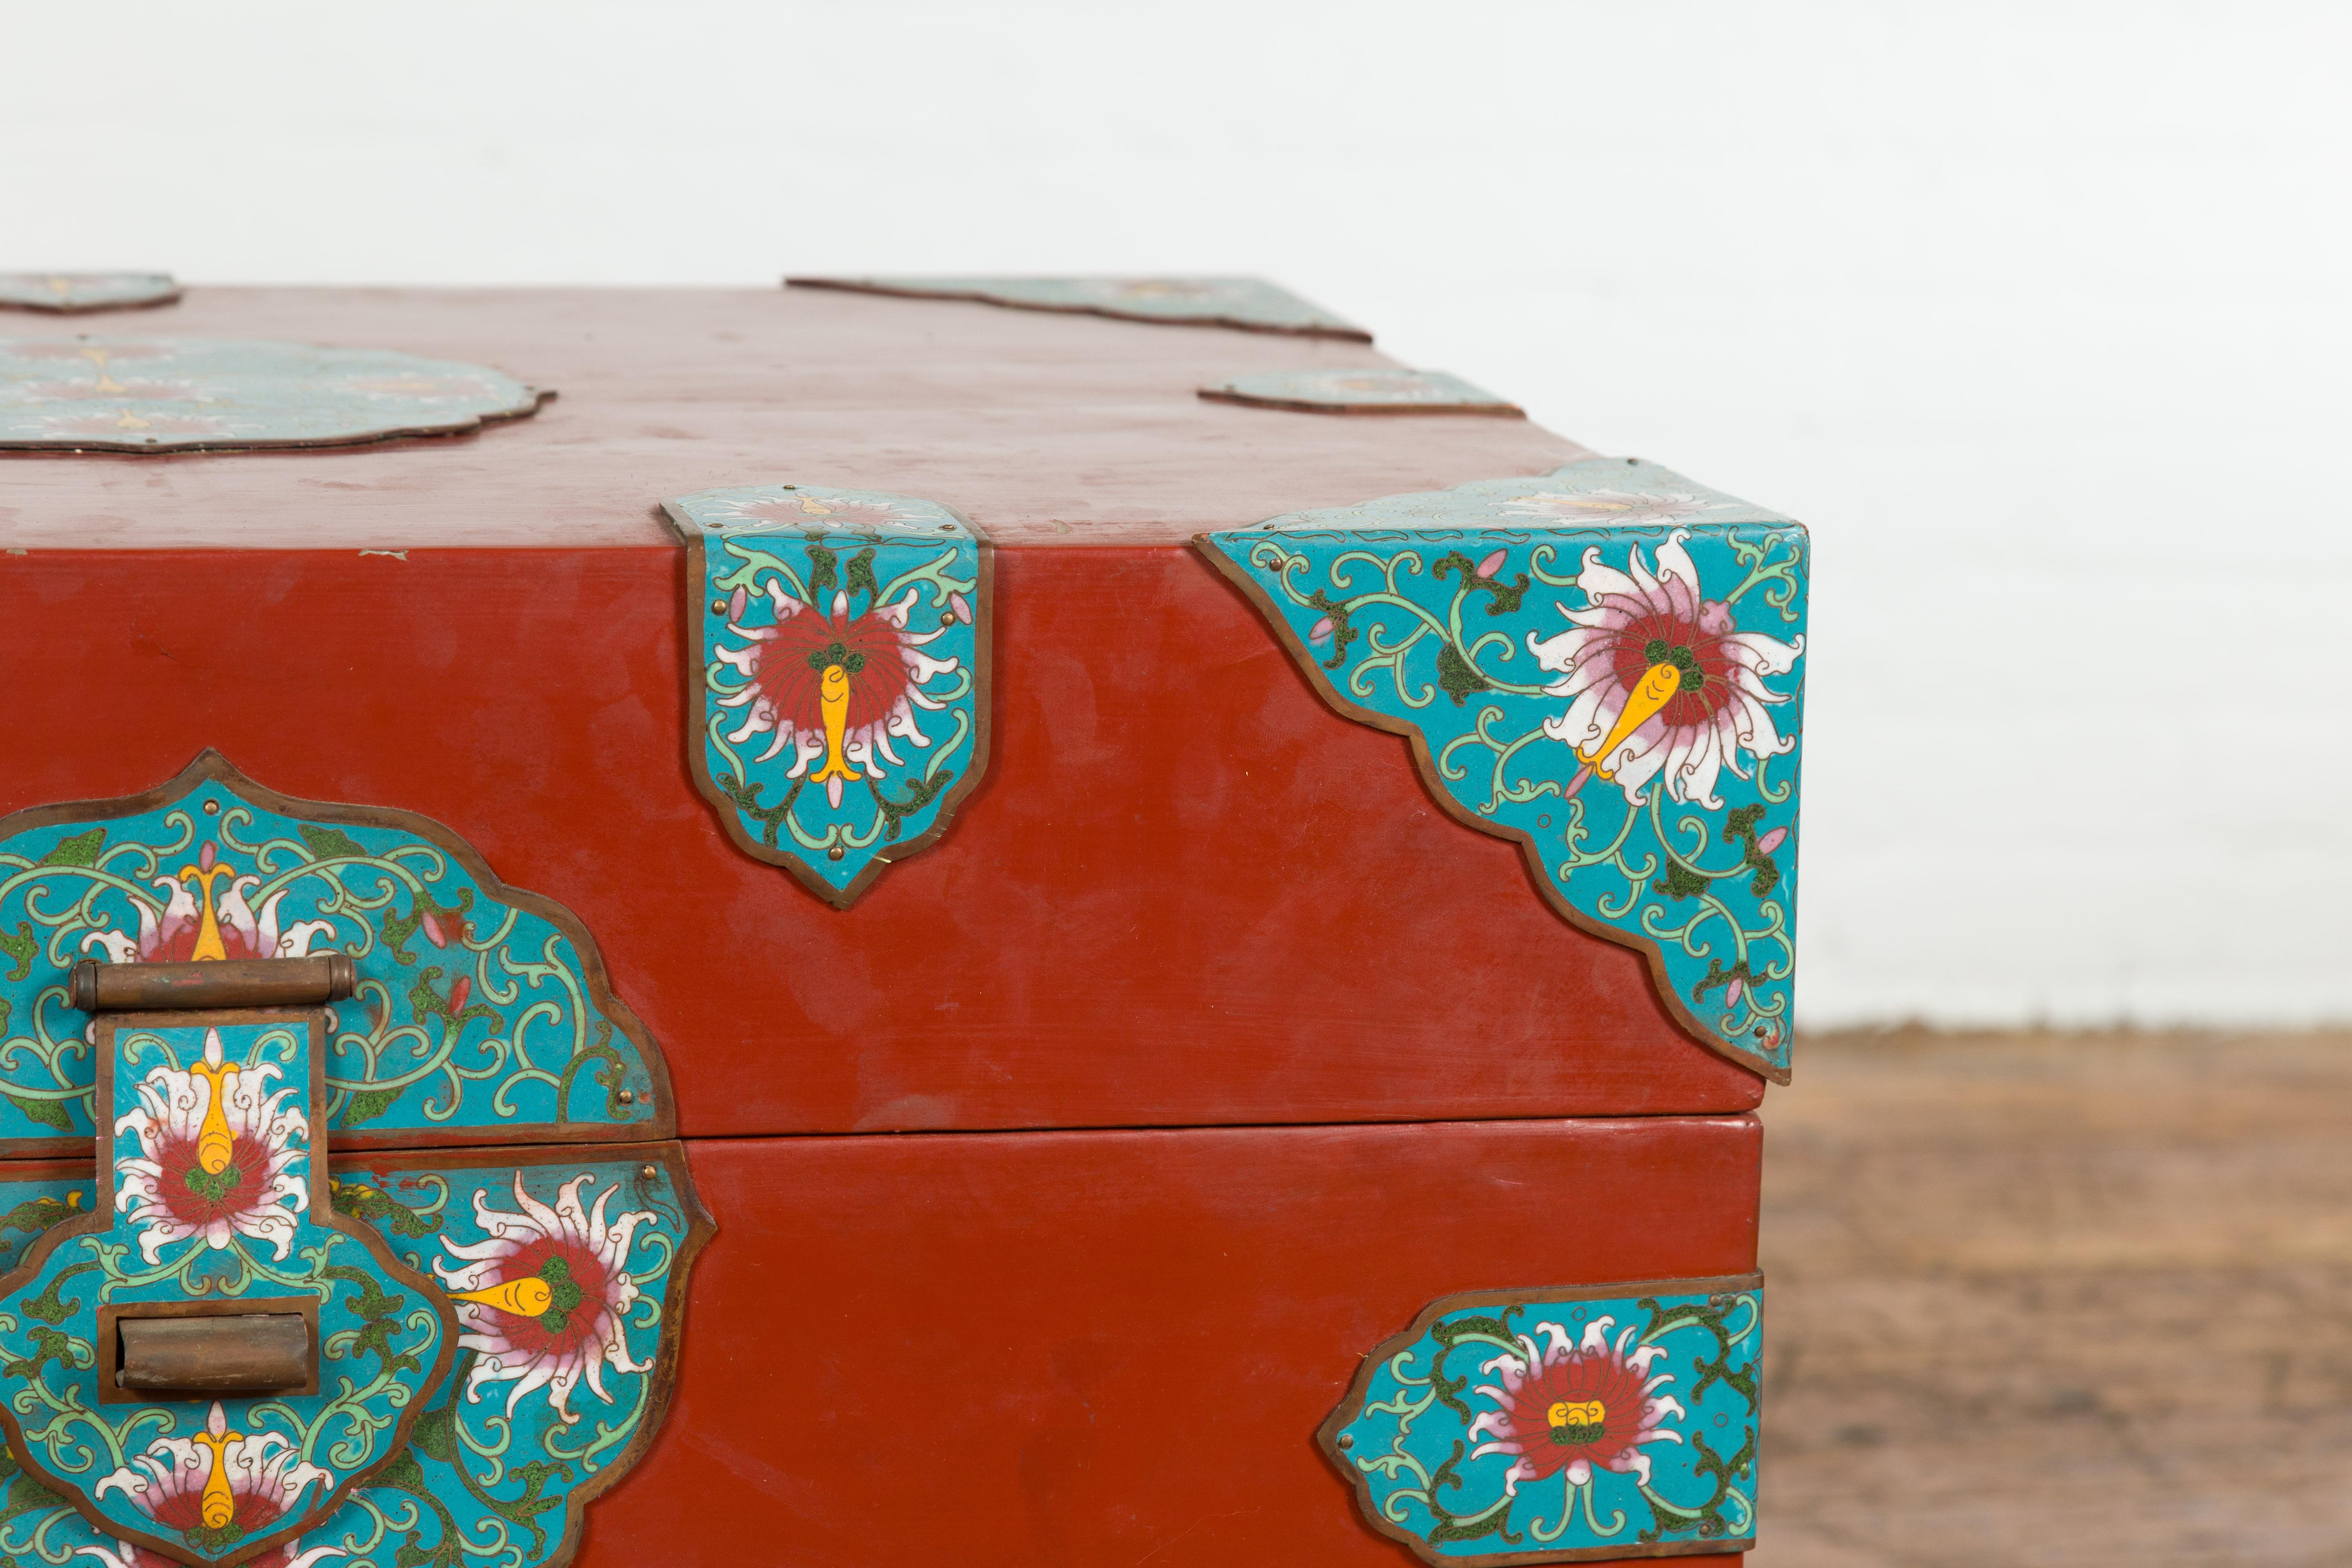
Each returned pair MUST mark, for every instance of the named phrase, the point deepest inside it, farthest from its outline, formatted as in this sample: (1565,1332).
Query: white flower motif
(1662,680)
(213,1489)
(194,926)
(218,1156)
(1575,1405)
(838,689)
(543,1302)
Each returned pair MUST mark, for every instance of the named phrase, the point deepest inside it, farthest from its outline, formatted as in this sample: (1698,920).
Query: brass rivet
(212,808)
(649,1172)
(834,853)
(1347,1439)
(628,1097)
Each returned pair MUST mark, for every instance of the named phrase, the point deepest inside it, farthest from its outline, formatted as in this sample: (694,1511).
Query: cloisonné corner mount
(1604,664)
(1560,1426)
(837,677)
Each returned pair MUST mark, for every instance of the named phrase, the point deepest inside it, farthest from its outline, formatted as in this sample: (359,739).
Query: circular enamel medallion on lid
(92,393)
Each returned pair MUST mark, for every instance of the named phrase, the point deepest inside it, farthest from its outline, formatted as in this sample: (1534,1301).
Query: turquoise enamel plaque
(840,684)
(1596,1422)
(535,1416)
(1605,664)
(210,1197)
(178,394)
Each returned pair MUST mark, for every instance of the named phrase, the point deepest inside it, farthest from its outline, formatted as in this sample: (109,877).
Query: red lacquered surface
(1091,1348)
(1187,892)
(1044,429)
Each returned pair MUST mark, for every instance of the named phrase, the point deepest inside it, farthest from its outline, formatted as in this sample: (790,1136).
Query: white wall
(2036,311)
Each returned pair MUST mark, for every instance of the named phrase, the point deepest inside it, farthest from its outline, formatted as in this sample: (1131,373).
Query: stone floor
(2059,1299)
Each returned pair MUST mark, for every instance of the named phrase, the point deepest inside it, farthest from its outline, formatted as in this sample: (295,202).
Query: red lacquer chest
(1210,960)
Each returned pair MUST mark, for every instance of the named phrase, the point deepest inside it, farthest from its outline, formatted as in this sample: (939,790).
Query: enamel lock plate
(203,1287)
(383,1253)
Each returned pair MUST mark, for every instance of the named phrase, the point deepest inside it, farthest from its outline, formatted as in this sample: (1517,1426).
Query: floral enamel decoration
(218,1487)
(1545,1426)
(220,1156)
(835,688)
(481,1009)
(568,1253)
(1662,681)
(212,1139)
(1604,664)
(841,686)
(205,916)
(1574,1405)
(544,1299)
(472,1473)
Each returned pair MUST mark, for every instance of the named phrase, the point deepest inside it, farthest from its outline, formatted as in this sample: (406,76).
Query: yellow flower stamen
(214,1143)
(208,928)
(219,1505)
(529,1297)
(832,703)
(1652,692)
(1578,1413)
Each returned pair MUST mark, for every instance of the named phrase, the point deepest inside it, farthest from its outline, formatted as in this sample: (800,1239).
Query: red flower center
(196,1196)
(793,663)
(576,1283)
(1587,1407)
(1705,673)
(256,1514)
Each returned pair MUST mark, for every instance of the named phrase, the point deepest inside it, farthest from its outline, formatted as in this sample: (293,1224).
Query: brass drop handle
(95,987)
(214,1354)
